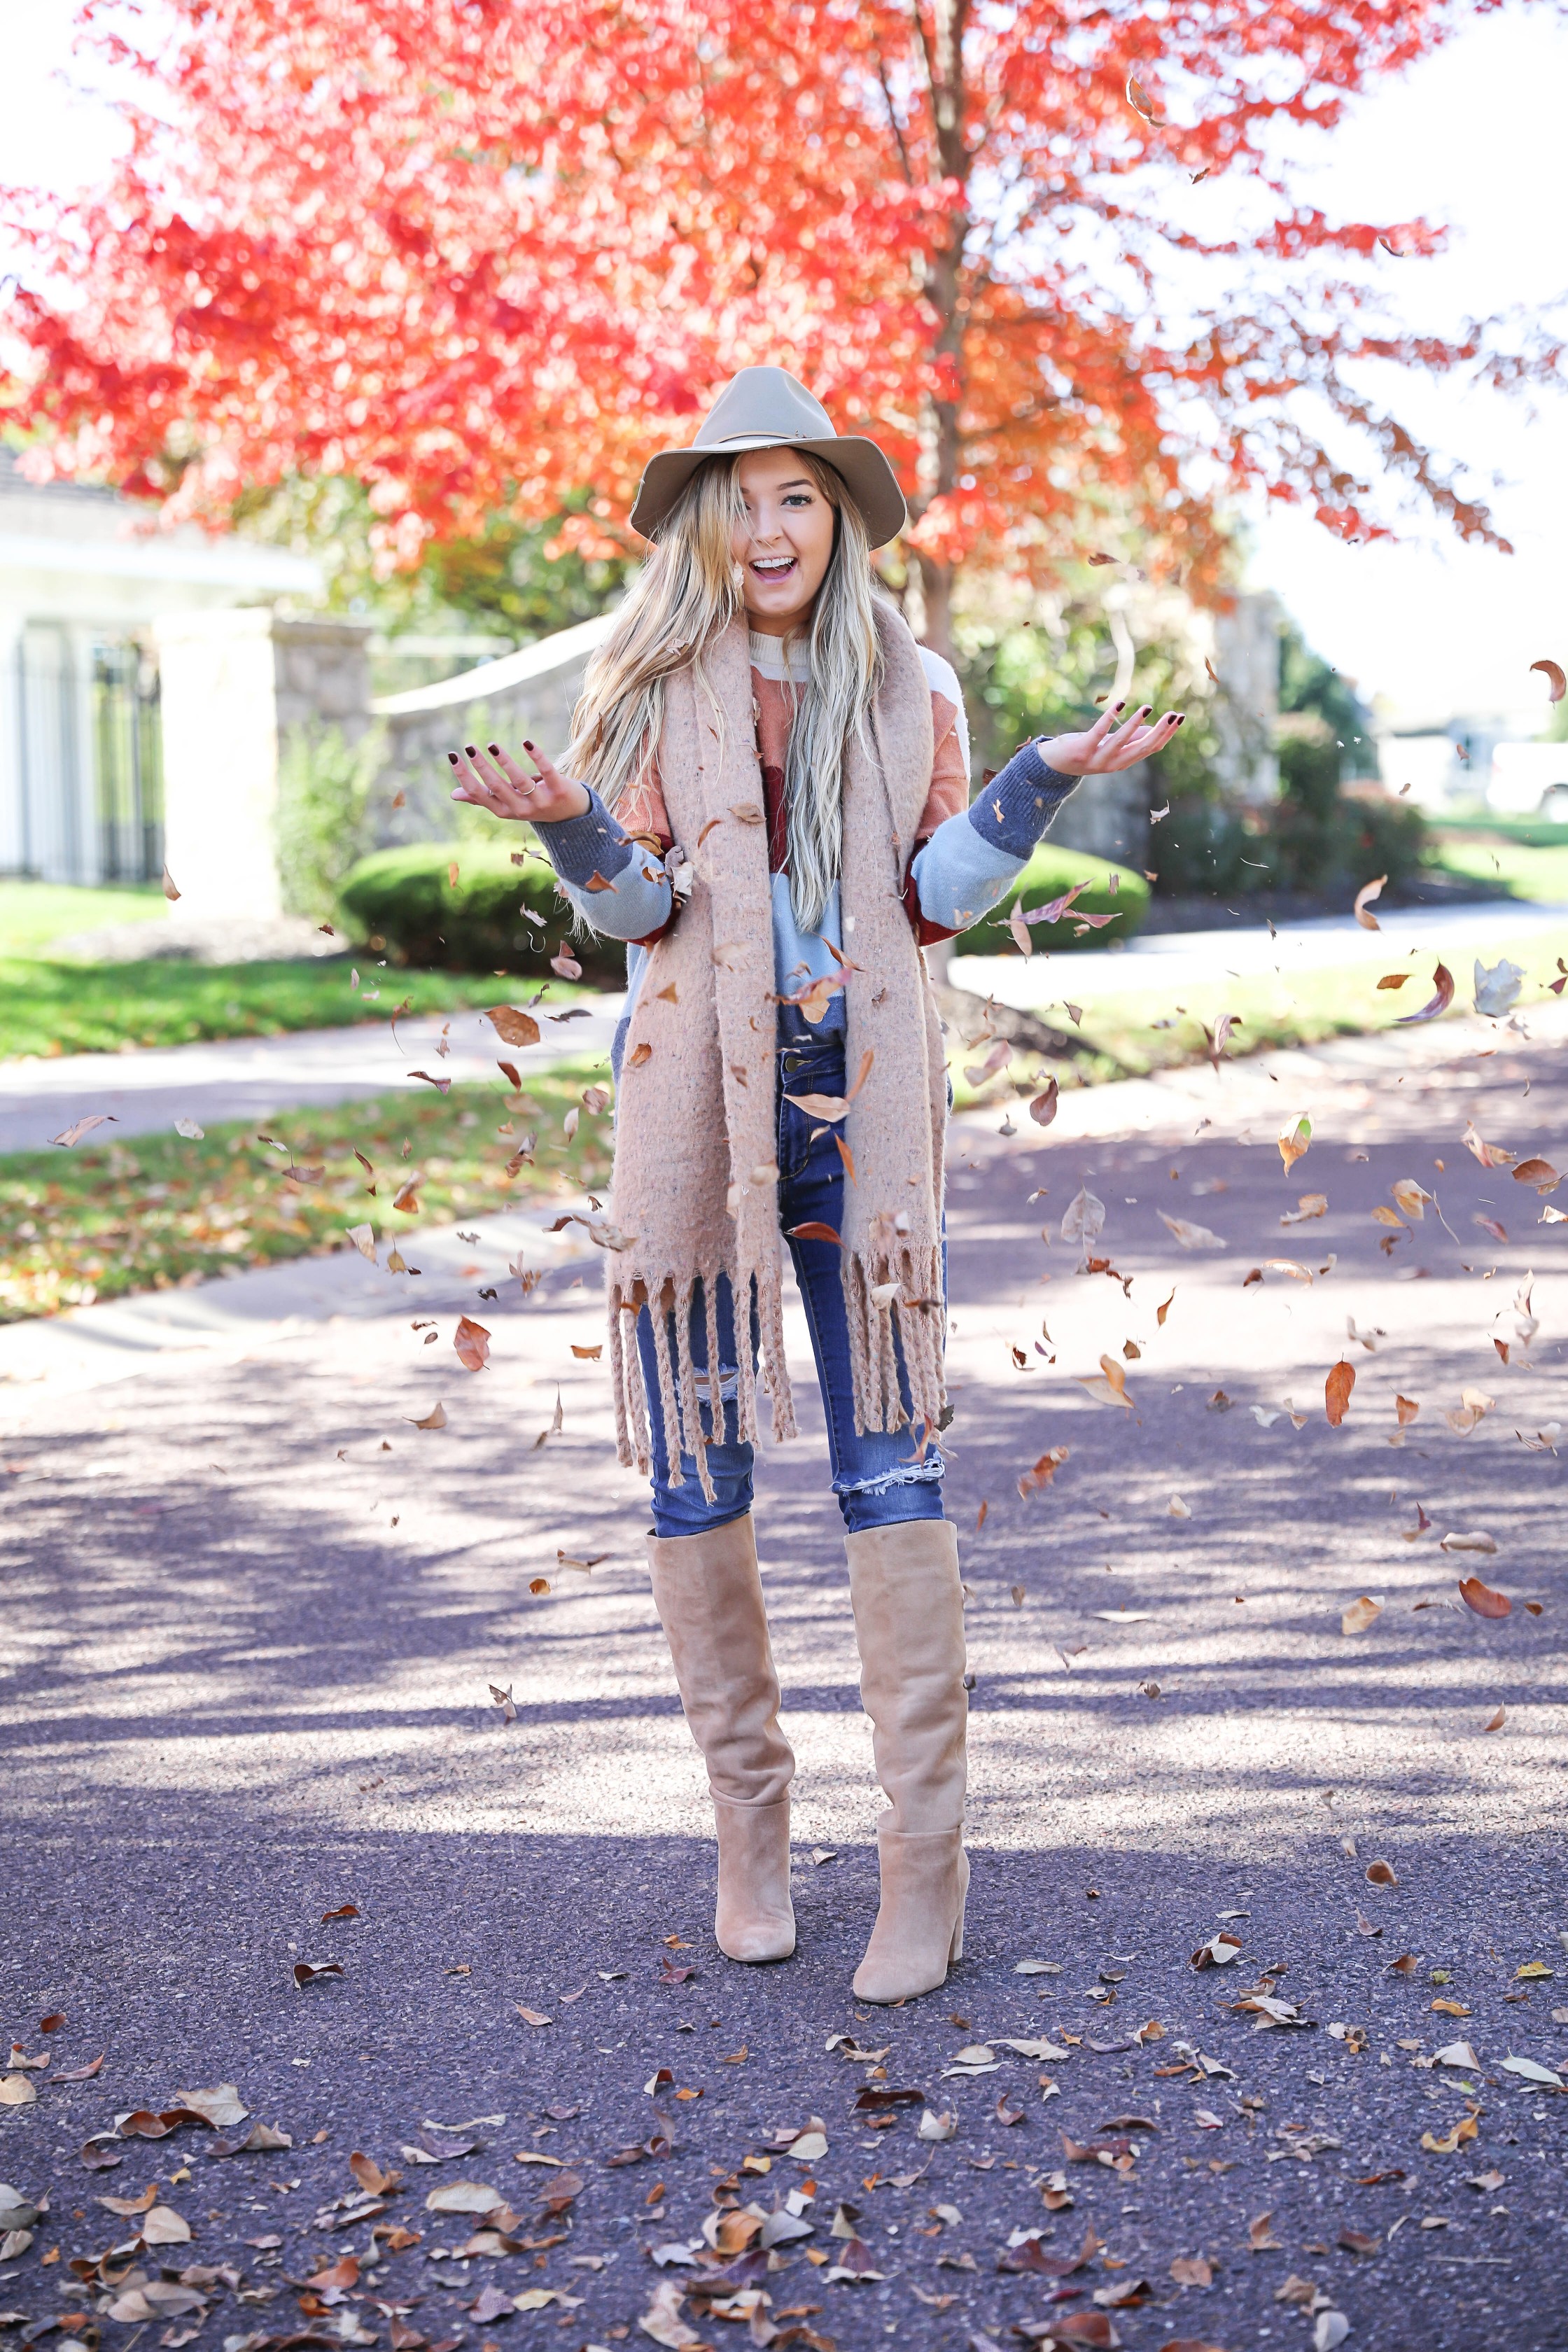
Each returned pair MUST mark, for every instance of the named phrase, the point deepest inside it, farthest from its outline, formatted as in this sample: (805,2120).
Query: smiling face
(787,545)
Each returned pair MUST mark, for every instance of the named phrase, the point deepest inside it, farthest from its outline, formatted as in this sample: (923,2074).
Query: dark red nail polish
(495,749)
(472,753)
(453,757)
(526,744)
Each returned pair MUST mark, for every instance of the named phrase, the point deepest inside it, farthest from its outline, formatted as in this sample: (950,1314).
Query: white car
(1530,780)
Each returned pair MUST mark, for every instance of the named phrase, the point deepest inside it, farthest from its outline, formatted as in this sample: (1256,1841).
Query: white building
(82,580)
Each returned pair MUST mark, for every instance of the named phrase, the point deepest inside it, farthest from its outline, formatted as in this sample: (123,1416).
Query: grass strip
(68,1008)
(160,1210)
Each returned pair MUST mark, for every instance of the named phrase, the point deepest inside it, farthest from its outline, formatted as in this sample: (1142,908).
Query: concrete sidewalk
(147,1090)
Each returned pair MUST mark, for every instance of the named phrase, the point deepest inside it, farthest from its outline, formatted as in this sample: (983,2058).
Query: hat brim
(860,466)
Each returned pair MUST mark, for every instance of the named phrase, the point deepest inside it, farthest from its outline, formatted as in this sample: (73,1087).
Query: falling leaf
(565,964)
(1381,1873)
(1138,101)
(1491,1155)
(364,1240)
(1406,1409)
(1496,1721)
(79,1128)
(1161,1312)
(1177,1509)
(433,1420)
(170,892)
(1044,1471)
(1497,989)
(1083,1218)
(1477,1596)
(513,1026)
(1490,1226)
(1043,1108)
(1363,897)
(1295,1142)
(1410,1197)
(504,1700)
(1110,1389)
(1361,1614)
(1394,980)
(1308,1206)
(1557,684)
(814,1230)
(1337,1392)
(472,1343)
(1539,1173)
(1191,1236)
(1443,985)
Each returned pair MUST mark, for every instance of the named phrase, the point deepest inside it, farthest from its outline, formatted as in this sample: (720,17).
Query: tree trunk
(936,588)
(943,454)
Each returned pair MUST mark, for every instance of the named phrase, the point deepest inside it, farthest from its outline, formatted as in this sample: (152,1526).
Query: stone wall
(531,693)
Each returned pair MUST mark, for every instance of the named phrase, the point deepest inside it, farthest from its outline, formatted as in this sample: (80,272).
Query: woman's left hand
(1105,749)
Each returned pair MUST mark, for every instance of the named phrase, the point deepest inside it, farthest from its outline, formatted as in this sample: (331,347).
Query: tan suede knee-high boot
(909,1622)
(708,1596)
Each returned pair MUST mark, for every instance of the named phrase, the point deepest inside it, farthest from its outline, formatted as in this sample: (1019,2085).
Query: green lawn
(1530,861)
(66,1008)
(34,913)
(1268,1010)
(159,1210)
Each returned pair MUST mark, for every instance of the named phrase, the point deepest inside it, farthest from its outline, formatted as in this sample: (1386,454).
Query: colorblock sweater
(965,855)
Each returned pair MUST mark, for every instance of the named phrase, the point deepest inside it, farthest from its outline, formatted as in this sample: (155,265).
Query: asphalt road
(253,1617)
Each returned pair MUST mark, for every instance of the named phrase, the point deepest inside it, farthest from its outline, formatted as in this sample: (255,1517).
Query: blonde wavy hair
(685,593)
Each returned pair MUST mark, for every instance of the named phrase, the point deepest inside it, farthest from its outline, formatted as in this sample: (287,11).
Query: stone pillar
(232,685)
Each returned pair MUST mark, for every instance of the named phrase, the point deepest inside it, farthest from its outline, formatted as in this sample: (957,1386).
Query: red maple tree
(478,255)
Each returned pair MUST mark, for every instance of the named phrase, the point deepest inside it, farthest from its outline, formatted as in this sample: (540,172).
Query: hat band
(765,434)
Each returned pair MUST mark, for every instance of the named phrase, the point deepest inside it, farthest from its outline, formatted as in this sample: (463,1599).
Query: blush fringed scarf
(696,1185)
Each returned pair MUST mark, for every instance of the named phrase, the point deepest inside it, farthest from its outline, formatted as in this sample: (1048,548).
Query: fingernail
(526,744)
(470,751)
(453,757)
(1181,717)
(1122,706)
(495,749)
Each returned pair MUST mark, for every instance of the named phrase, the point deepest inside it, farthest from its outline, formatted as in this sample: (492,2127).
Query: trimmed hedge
(408,899)
(1052,870)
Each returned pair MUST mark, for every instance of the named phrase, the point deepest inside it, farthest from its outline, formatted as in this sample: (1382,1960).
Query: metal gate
(90,804)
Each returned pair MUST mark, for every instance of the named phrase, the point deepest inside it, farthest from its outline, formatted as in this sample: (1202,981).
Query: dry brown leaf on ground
(504,1700)
(1381,1873)
(1260,2237)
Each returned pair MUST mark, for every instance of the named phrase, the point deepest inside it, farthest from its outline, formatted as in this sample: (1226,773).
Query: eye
(798,499)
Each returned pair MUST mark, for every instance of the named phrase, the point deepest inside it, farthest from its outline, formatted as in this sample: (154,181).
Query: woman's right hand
(498,784)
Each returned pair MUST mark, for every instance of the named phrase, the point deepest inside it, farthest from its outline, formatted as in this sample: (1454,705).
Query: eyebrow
(798,482)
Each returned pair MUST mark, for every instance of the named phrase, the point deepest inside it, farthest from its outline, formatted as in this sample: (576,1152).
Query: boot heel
(955,1950)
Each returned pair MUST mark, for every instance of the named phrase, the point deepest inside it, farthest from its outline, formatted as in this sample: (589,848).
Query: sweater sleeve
(616,884)
(971,860)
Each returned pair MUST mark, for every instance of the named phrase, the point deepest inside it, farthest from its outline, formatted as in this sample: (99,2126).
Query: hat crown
(765,404)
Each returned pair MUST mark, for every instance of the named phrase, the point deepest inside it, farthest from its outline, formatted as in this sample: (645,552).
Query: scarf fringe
(680,1402)
(920,1331)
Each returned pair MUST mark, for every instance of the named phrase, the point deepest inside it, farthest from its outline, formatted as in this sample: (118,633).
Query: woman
(766,795)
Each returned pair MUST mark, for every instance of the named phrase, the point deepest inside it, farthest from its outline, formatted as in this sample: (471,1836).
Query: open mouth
(775,567)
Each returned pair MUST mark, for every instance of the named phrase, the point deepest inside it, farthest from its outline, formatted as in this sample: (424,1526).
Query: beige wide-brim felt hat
(768,408)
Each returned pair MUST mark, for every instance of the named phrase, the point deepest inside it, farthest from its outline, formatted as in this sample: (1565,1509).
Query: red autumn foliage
(478,255)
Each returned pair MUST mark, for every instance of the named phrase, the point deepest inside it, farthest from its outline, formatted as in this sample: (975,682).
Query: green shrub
(1049,872)
(408,899)
(324,785)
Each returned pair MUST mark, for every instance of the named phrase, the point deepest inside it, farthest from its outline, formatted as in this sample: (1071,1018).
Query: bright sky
(1472,138)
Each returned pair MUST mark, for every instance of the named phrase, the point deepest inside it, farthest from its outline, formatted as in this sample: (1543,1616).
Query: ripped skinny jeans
(880,1477)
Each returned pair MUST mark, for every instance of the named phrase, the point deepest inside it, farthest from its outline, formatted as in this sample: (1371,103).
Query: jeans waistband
(797,1061)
